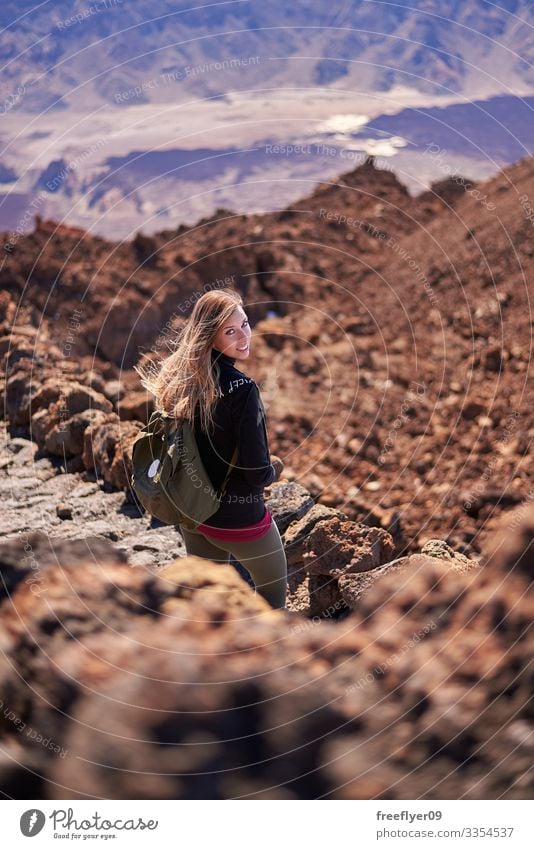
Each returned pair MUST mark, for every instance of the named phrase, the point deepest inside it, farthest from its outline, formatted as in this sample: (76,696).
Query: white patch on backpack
(154,466)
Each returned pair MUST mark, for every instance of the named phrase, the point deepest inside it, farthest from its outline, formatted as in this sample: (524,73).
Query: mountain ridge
(457,50)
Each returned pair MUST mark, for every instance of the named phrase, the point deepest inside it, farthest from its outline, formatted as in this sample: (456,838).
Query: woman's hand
(278,466)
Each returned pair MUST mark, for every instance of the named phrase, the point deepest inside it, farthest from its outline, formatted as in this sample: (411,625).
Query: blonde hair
(188,377)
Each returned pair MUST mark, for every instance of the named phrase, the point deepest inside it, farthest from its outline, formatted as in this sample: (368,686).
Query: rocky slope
(393,350)
(392,343)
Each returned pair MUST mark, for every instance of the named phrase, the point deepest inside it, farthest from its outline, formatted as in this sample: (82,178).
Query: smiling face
(233,337)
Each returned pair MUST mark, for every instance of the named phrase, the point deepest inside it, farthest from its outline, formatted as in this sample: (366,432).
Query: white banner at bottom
(358,823)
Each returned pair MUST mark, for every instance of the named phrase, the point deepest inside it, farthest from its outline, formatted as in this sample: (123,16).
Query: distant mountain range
(81,54)
(119,115)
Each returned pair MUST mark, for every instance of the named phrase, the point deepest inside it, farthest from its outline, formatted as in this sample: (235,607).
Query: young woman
(200,381)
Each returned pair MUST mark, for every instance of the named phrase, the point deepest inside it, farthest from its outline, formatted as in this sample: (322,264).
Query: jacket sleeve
(253,459)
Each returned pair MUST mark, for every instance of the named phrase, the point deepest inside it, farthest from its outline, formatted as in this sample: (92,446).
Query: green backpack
(169,478)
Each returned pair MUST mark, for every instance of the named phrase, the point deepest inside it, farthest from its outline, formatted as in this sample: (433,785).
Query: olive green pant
(264,558)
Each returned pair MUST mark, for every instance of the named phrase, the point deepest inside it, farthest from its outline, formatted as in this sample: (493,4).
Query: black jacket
(239,418)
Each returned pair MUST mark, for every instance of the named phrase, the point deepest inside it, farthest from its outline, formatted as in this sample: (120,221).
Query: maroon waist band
(244,534)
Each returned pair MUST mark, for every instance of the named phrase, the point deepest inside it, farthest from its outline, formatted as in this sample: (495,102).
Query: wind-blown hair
(188,375)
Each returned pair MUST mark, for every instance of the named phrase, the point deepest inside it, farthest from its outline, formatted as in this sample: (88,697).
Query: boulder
(136,405)
(196,577)
(66,438)
(107,450)
(287,502)
(336,547)
(304,595)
